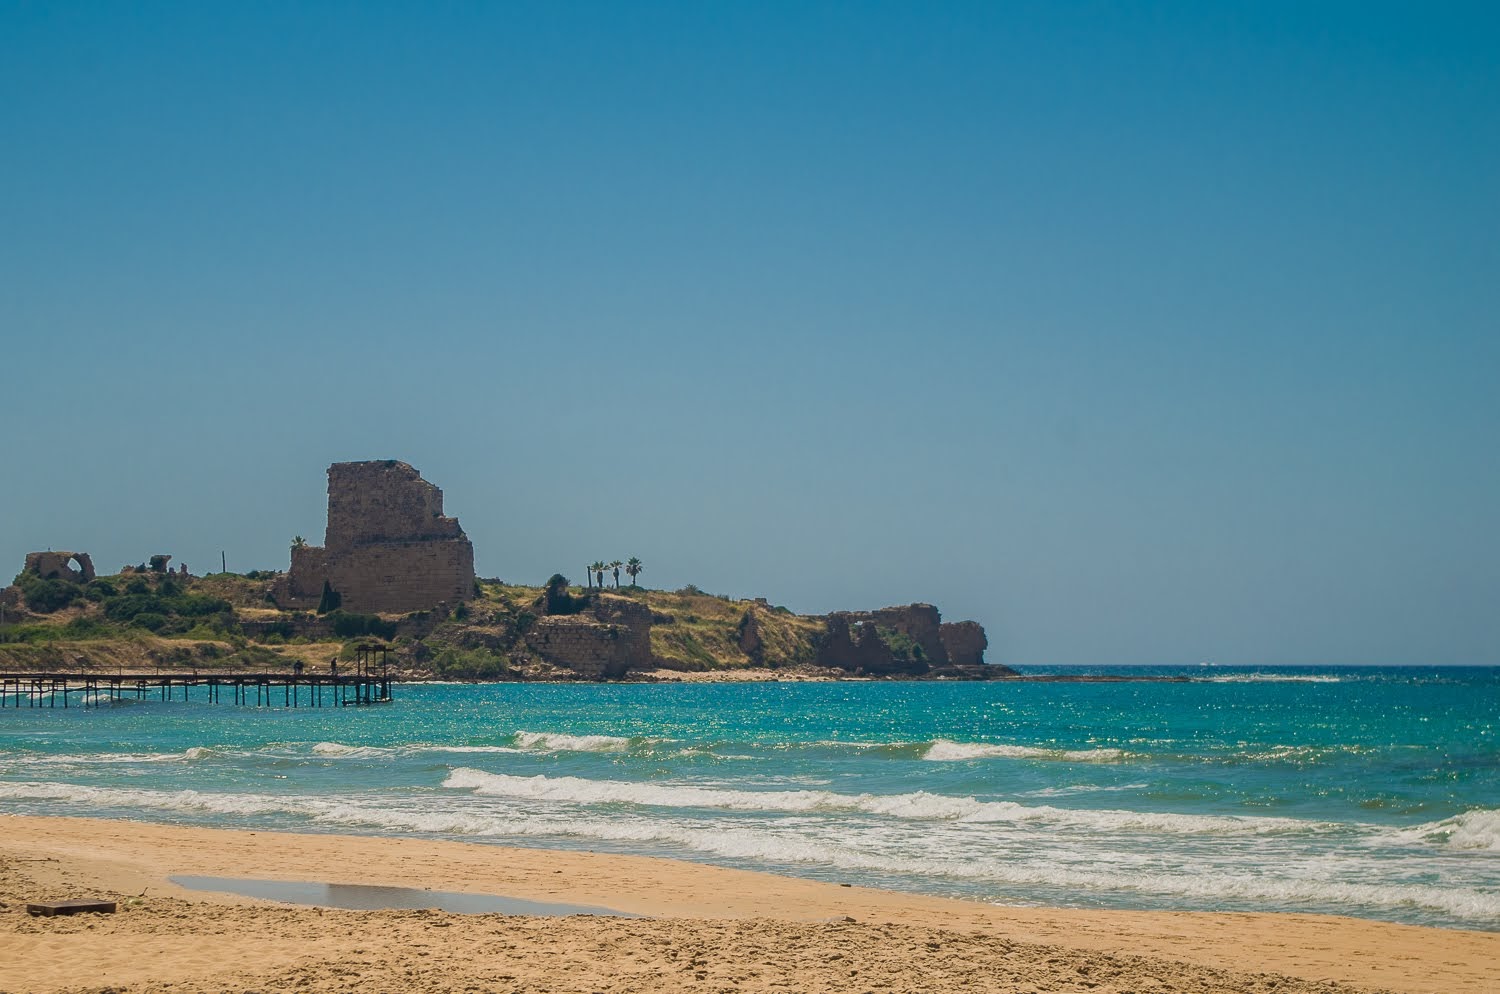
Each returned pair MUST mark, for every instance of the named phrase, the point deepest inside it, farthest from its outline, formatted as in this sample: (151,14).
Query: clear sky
(1137,332)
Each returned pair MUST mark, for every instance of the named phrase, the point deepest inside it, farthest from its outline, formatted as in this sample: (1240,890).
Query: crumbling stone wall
(854,645)
(388,547)
(751,642)
(922,623)
(590,649)
(634,621)
(56,566)
(604,642)
(852,641)
(965,642)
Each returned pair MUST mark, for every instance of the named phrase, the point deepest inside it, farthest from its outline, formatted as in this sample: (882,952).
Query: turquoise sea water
(1372,792)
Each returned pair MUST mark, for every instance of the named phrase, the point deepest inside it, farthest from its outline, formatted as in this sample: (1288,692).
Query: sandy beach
(704,928)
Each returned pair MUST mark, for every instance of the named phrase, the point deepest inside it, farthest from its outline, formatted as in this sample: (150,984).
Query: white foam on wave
(472,749)
(945,751)
(562,742)
(338,750)
(912,806)
(1272,678)
(180,800)
(1305,884)
(752,844)
(118,758)
(1478,828)
(1084,788)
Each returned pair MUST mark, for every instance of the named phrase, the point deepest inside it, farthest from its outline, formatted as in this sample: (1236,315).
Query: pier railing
(369,683)
(52,690)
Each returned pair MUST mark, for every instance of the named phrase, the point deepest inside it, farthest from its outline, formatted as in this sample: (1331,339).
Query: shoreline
(747,930)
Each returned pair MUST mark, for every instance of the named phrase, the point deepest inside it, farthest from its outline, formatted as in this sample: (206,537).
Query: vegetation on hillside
(150,619)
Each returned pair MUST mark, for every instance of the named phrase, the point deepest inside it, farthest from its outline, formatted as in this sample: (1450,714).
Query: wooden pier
(369,682)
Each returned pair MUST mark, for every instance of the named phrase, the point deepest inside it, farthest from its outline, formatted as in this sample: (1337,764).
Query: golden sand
(709,929)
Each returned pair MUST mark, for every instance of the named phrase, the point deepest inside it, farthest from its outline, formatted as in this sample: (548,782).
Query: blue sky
(1139,333)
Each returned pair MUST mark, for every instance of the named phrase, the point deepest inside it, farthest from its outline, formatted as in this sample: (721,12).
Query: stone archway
(58,565)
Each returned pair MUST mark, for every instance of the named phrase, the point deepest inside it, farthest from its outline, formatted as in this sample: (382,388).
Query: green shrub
(47,596)
(182,605)
(25,634)
(198,605)
(349,626)
(127,607)
(99,590)
(470,664)
(557,598)
(902,646)
(86,628)
(149,620)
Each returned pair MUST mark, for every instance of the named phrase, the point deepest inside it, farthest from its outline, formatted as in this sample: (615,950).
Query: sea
(1371,792)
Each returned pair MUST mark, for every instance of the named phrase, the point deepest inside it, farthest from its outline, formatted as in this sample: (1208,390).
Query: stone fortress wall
(388,546)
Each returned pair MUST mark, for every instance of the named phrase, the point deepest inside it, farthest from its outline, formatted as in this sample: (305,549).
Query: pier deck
(269,689)
(368,682)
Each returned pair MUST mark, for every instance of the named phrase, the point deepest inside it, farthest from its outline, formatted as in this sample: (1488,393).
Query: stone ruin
(852,642)
(157,564)
(56,566)
(604,641)
(388,547)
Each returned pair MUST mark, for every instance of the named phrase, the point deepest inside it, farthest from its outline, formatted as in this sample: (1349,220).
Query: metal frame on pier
(370,683)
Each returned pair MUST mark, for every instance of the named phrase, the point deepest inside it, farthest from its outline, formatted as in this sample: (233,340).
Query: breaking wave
(943,750)
(916,806)
(562,742)
(1318,882)
(340,751)
(1478,828)
(559,742)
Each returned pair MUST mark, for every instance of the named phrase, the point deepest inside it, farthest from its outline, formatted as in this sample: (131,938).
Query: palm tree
(633,567)
(616,567)
(589,573)
(598,567)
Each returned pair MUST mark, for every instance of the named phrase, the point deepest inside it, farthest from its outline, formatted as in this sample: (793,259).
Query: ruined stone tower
(388,547)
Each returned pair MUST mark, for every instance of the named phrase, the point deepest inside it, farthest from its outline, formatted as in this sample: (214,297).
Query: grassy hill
(148,621)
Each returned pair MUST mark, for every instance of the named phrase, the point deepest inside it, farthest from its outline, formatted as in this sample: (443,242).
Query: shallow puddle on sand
(364,897)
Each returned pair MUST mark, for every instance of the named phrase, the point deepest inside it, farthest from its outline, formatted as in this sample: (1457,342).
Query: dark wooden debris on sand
(49,908)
